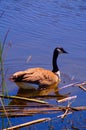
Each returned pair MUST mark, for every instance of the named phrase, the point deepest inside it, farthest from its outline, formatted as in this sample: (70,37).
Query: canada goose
(39,76)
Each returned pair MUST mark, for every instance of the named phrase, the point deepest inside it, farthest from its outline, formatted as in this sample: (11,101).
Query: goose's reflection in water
(46,93)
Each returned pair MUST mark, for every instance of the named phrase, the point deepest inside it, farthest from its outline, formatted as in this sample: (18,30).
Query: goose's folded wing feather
(35,75)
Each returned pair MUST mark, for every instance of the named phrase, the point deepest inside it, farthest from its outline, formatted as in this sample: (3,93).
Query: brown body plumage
(39,76)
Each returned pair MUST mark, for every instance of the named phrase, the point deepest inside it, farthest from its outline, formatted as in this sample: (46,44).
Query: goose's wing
(27,75)
(35,75)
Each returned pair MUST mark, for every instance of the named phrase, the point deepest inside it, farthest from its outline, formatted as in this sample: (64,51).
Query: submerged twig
(28,59)
(69,85)
(66,112)
(77,84)
(60,116)
(81,86)
(67,99)
(12,112)
(28,123)
(16,112)
(81,108)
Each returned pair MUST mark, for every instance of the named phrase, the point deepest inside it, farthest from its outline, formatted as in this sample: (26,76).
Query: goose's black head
(59,50)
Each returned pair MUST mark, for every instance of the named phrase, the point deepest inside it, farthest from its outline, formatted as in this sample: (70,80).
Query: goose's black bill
(65,52)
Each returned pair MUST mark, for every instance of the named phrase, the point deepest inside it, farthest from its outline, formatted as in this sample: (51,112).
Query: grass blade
(23,98)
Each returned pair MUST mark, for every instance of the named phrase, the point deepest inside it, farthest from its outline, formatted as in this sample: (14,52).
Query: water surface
(36,27)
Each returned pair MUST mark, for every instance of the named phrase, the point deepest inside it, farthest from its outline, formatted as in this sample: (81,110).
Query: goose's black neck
(54,62)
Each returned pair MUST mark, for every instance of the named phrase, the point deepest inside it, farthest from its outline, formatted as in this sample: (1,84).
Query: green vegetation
(3,88)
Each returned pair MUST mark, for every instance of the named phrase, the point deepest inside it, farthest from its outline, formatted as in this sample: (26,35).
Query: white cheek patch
(58,74)
(59,51)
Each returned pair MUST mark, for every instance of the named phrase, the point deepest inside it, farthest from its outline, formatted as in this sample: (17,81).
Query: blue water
(36,27)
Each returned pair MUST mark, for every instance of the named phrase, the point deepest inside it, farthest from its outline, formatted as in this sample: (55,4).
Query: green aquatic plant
(3,88)
(2,84)
(2,71)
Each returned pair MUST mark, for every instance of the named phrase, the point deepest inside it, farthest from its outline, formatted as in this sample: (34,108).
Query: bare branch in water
(28,59)
(67,99)
(14,111)
(60,116)
(67,111)
(28,123)
(81,86)
(69,85)
(77,84)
